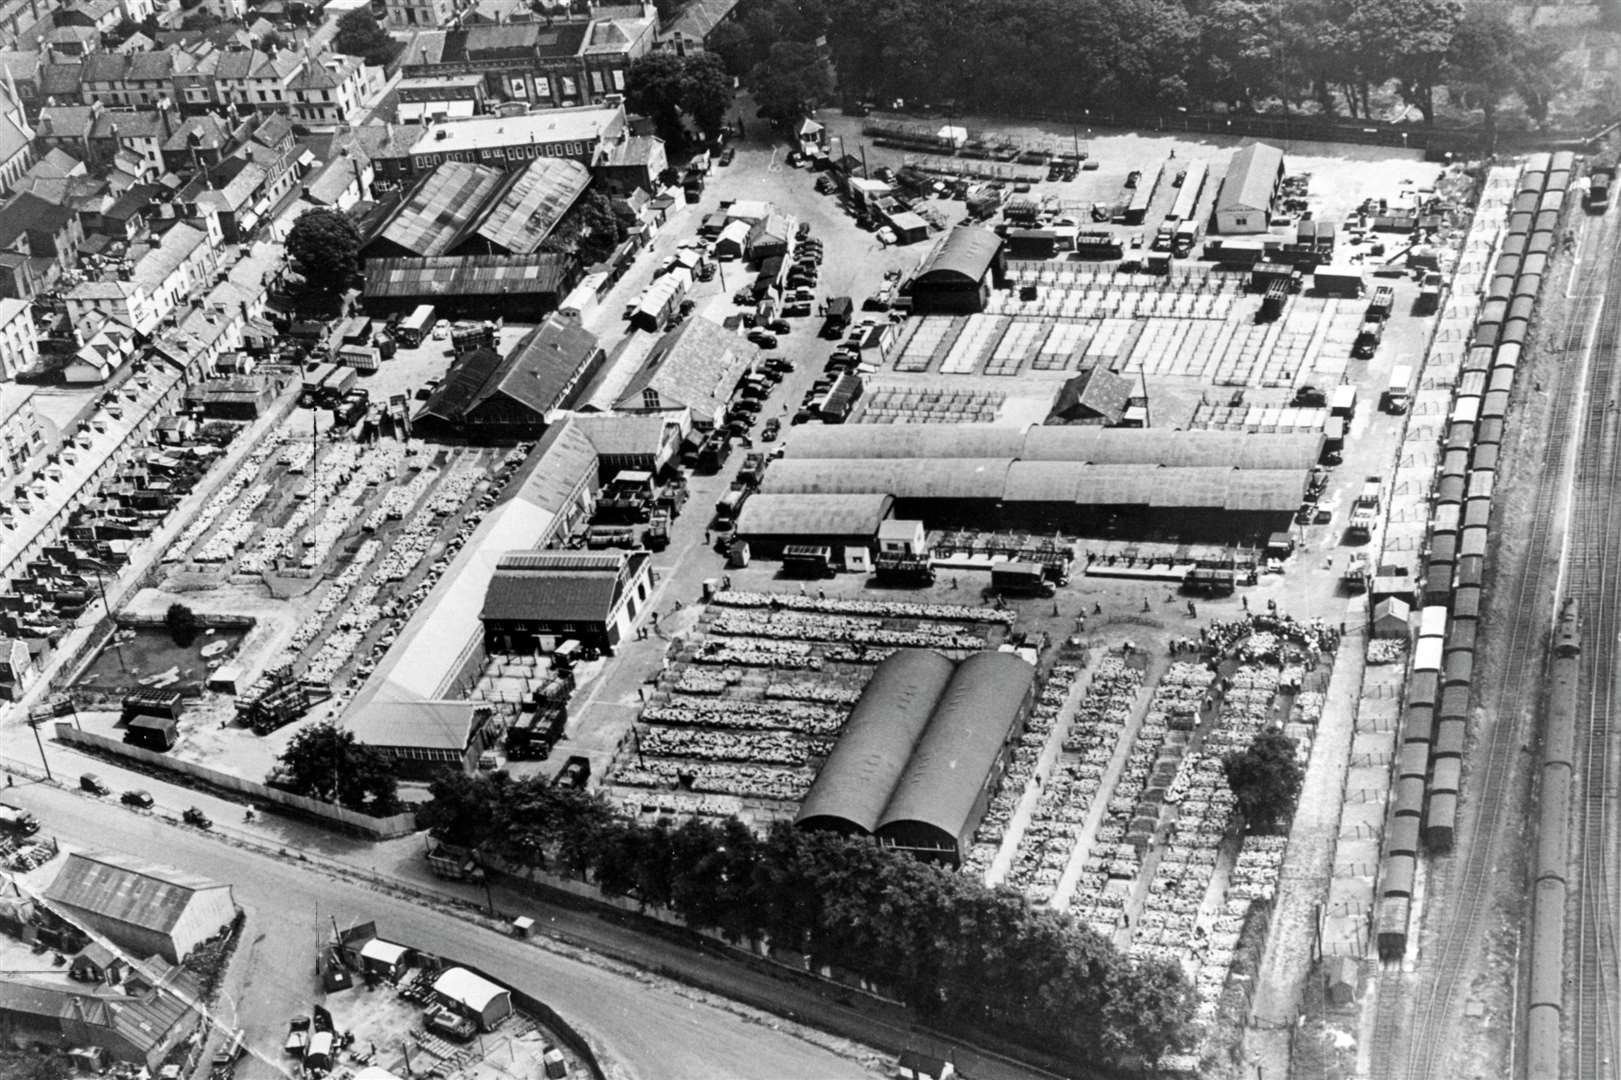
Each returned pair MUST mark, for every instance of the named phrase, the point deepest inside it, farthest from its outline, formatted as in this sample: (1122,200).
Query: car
(92,783)
(773,427)
(727,155)
(779,326)
(743,296)
(143,799)
(439,332)
(803,232)
(780,364)
(763,339)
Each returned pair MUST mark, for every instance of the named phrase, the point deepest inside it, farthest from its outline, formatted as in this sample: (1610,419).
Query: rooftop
(585,125)
(127,889)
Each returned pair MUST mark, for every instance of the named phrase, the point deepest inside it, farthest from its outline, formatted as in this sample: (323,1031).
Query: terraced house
(332,90)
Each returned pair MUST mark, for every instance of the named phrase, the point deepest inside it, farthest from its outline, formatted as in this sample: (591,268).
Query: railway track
(1595,578)
(1416,1018)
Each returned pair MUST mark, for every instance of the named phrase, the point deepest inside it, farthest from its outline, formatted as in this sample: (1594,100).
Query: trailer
(450,861)
(1382,304)
(807,560)
(1142,195)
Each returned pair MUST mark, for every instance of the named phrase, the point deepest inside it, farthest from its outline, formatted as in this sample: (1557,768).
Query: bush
(182,623)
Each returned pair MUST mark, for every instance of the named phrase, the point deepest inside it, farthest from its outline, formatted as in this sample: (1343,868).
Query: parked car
(773,428)
(143,799)
(727,155)
(780,364)
(779,326)
(92,783)
(763,339)
(197,818)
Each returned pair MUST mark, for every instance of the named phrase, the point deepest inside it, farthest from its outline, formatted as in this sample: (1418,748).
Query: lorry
(17,821)
(1382,304)
(730,505)
(1020,579)
(1187,234)
(1368,338)
(1396,397)
(413,330)
(450,861)
(839,310)
(1597,199)
(1365,512)
(1356,576)
(807,560)
(904,569)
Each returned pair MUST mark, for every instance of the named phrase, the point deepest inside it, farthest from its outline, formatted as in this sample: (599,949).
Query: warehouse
(770,523)
(480,1000)
(437,213)
(695,366)
(471,286)
(487,398)
(957,276)
(522,213)
(130,1022)
(463,209)
(854,784)
(538,598)
(422,738)
(1249,191)
(941,796)
(1081,480)
(149,909)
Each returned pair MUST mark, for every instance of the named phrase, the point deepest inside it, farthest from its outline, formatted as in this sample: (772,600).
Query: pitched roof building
(485,396)
(147,908)
(695,366)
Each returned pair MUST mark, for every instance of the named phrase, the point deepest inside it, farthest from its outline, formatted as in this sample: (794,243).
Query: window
(1240,222)
(619,80)
(520,89)
(569,89)
(650,398)
(597,83)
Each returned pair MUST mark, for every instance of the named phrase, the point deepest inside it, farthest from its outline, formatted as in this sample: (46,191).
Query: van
(92,783)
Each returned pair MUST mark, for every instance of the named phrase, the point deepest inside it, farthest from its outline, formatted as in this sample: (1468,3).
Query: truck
(904,569)
(1368,338)
(1020,579)
(839,309)
(17,821)
(450,861)
(730,505)
(1365,513)
(415,327)
(1356,576)
(1396,397)
(1382,304)
(807,560)
(1597,199)
(1187,234)
(1164,237)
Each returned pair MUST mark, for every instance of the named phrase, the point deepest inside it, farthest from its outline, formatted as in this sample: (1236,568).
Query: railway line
(1595,581)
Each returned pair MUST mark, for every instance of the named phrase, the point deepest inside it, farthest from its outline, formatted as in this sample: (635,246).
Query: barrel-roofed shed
(855,782)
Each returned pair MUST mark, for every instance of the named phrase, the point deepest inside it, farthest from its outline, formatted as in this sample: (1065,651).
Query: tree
(324,246)
(791,81)
(360,35)
(23,1065)
(591,230)
(326,763)
(706,94)
(1266,778)
(655,86)
(272,41)
(202,19)
(126,29)
(182,624)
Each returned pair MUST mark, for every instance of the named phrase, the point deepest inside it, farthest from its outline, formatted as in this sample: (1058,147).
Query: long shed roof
(857,514)
(974,718)
(438,212)
(128,890)
(875,744)
(966,251)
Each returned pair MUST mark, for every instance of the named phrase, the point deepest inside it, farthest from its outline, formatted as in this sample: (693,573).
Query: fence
(377,828)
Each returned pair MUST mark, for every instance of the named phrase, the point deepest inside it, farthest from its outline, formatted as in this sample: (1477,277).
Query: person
(1245,600)
(1193,612)
(1055,607)
(247,815)
(1145,603)
(1097,607)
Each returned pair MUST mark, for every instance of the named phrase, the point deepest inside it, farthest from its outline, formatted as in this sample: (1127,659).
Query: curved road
(646,1026)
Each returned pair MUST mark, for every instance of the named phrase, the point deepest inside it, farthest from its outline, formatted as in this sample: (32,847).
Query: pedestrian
(707,541)
(1055,607)
(954,582)
(821,594)
(801,588)
(1245,600)
(1193,612)
(1145,603)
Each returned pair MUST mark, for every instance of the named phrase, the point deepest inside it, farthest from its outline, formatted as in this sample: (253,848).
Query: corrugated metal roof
(421,725)
(143,894)
(966,251)
(974,718)
(437,213)
(696,365)
(905,478)
(1252,175)
(468,275)
(1157,446)
(551,596)
(532,203)
(813,515)
(535,374)
(856,781)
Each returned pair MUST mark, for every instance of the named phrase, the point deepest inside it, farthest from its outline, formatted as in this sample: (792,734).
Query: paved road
(649,1027)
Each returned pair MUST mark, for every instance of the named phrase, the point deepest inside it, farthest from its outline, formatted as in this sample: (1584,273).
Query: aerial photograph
(810,540)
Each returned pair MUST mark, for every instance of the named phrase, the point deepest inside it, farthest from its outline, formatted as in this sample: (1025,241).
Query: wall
(274,798)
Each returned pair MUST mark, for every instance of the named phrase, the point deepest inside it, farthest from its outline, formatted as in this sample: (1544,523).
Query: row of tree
(957,952)
(1325,56)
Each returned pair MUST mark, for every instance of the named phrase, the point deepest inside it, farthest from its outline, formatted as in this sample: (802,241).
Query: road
(648,1027)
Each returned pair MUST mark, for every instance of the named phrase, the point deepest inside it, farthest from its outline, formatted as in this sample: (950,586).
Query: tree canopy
(324,246)
(1266,778)
(958,953)
(590,230)
(1075,55)
(327,763)
(791,81)
(667,87)
(359,34)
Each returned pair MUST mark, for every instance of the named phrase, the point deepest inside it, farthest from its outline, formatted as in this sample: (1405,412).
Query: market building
(149,909)
(538,598)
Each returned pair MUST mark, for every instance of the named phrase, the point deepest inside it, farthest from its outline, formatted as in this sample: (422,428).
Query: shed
(1244,203)
(1391,618)
(474,996)
(957,276)
(384,959)
(152,732)
(143,907)
(770,522)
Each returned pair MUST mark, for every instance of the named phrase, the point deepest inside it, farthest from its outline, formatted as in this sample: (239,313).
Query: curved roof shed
(940,796)
(965,255)
(875,744)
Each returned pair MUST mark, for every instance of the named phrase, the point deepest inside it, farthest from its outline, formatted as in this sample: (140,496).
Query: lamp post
(34,724)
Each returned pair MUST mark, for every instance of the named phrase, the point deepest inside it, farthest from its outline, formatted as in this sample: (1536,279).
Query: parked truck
(1598,193)
(450,861)
(1365,514)
(17,821)
(1020,579)
(1398,393)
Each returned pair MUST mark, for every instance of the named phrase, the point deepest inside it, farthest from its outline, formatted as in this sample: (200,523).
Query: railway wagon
(1444,548)
(1473,540)
(1510,263)
(1553,829)
(1514,246)
(1455,460)
(1525,201)
(1461,636)
(1409,797)
(1466,603)
(1418,726)
(1454,704)
(1506,357)
(1441,823)
(1502,287)
(1495,404)
(1432,621)
(1414,759)
(1521,222)
(1460,667)
(1438,581)
(1547,943)
(1490,432)
(1401,836)
(1390,921)
(1423,689)
(1485,457)
(1551,200)
(1451,736)
(1542,1042)
(1397,876)
(1481,483)
(1534,264)
(1546,220)
(1502,378)
(1446,776)
(1449,490)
